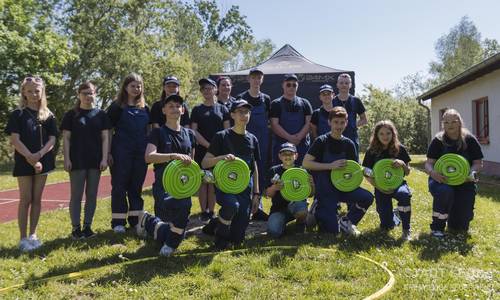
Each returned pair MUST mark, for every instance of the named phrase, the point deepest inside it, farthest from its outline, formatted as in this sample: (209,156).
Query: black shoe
(87,232)
(221,244)
(76,234)
(260,215)
(209,229)
(205,216)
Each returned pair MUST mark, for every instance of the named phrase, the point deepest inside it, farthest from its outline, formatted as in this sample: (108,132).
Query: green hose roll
(296,185)
(455,167)
(180,180)
(348,178)
(232,176)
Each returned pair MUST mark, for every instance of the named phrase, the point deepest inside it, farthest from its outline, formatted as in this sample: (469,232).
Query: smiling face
(290,88)
(225,87)
(384,135)
(134,89)
(171,88)
(87,97)
(32,92)
(452,125)
(287,157)
(343,84)
(338,125)
(326,97)
(208,92)
(173,110)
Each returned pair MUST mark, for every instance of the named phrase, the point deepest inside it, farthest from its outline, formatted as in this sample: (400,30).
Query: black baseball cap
(290,77)
(288,147)
(174,98)
(240,103)
(255,70)
(171,79)
(326,87)
(209,81)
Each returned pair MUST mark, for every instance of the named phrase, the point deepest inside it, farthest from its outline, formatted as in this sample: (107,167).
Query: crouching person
(283,211)
(167,143)
(330,151)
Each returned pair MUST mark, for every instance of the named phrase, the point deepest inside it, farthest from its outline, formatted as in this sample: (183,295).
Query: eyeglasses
(452,122)
(35,79)
(291,85)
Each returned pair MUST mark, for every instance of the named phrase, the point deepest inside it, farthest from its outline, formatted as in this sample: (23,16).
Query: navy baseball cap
(289,77)
(255,70)
(174,98)
(288,147)
(171,79)
(209,81)
(326,87)
(240,103)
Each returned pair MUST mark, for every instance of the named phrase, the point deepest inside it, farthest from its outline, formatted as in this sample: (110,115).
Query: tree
(460,49)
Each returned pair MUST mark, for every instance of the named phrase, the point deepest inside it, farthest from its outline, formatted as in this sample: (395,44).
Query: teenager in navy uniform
(86,145)
(283,211)
(354,108)
(170,87)
(259,126)
(234,214)
(452,205)
(207,119)
(130,120)
(384,143)
(319,119)
(169,142)
(330,151)
(290,119)
(224,87)
(32,129)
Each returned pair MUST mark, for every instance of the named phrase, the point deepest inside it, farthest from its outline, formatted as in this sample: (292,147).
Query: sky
(381,40)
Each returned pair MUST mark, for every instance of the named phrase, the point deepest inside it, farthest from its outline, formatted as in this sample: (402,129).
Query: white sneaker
(166,250)
(119,229)
(349,228)
(25,245)
(406,236)
(437,233)
(396,218)
(34,241)
(141,226)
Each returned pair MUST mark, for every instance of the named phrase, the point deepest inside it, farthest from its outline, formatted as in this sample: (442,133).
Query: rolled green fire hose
(348,178)
(455,167)
(296,184)
(232,176)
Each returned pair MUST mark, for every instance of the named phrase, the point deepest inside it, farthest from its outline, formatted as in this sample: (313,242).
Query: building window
(480,120)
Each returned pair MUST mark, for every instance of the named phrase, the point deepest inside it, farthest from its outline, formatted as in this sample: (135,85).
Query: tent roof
(287,60)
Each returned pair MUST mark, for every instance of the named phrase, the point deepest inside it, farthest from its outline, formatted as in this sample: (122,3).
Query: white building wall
(461,99)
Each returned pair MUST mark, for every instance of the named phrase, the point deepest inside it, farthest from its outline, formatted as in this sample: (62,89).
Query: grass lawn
(457,267)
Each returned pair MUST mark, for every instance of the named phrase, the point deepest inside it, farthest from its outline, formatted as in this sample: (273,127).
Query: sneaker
(25,245)
(166,250)
(406,235)
(205,216)
(395,217)
(34,241)
(119,229)
(76,234)
(209,229)
(260,215)
(87,232)
(141,226)
(349,228)
(437,233)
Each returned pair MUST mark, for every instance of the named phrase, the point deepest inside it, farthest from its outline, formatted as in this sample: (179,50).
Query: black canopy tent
(284,61)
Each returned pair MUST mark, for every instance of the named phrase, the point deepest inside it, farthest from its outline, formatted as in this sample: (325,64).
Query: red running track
(55,196)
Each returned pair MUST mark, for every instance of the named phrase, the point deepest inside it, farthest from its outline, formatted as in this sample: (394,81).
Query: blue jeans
(277,221)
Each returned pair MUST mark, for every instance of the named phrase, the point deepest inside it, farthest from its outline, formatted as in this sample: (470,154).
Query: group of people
(270,136)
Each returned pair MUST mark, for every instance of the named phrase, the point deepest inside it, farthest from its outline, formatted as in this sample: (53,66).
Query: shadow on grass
(431,248)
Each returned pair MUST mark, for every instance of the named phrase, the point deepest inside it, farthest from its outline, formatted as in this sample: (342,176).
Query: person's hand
(398,163)
(67,165)
(103,165)
(185,159)
(255,203)
(110,160)
(438,177)
(38,167)
(278,185)
(294,139)
(229,157)
(32,158)
(338,164)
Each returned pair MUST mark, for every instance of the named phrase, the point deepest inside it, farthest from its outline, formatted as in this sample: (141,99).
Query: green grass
(457,267)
